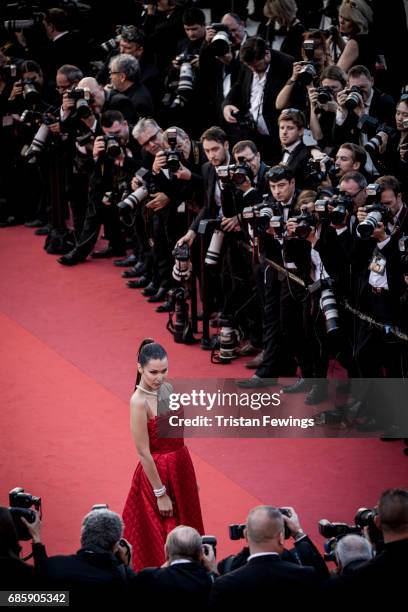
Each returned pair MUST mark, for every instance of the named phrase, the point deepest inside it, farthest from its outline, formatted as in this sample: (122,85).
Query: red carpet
(69,338)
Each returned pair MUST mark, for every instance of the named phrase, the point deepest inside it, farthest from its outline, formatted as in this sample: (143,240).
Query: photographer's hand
(228,224)
(291,226)
(67,103)
(208,558)
(341,99)
(379,233)
(403,151)
(296,70)
(34,529)
(124,552)
(55,128)
(16,91)
(313,98)
(183,173)
(187,238)
(228,110)
(98,147)
(159,162)
(209,33)
(159,201)
(361,214)
(293,523)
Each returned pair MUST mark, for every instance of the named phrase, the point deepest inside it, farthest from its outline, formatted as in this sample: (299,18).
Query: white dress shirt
(257,97)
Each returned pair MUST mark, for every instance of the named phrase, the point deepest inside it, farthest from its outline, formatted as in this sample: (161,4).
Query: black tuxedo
(297,162)
(293,38)
(280,69)
(266,578)
(188,584)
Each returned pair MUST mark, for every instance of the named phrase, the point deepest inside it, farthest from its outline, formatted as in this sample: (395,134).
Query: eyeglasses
(115,72)
(352,3)
(150,140)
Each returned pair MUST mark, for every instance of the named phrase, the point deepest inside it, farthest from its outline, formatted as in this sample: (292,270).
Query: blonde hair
(358,12)
(283,11)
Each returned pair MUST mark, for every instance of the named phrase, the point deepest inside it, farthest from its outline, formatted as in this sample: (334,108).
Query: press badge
(378,264)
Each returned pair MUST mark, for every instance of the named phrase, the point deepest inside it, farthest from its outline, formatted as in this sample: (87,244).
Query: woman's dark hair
(149,349)
(9,546)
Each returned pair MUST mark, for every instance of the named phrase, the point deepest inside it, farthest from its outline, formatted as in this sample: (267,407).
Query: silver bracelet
(160,492)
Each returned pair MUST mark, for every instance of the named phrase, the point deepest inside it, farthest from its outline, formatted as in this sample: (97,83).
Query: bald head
(265,528)
(97,92)
(183,543)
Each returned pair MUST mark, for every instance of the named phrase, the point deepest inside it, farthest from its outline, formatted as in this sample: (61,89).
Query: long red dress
(145,529)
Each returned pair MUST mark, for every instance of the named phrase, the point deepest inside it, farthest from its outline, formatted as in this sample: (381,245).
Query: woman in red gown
(164,490)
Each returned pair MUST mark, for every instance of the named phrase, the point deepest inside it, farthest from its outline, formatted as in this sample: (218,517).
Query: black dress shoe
(107,253)
(70,259)
(35,223)
(141,282)
(160,296)
(166,307)
(149,290)
(300,386)
(127,262)
(255,382)
(42,231)
(137,270)
(316,395)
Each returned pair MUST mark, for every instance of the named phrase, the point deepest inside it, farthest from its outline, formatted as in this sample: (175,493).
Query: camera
(308,72)
(336,530)
(328,306)
(180,328)
(112,146)
(82,98)
(316,174)
(137,197)
(377,213)
(322,208)
(110,45)
(20,506)
(342,205)
(214,249)
(305,221)
(229,341)
(221,43)
(186,80)
(259,216)
(40,138)
(354,95)
(245,120)
(173,157)
(16,25)
(324,95)
(9,72)
(182,265)
(30,92)
(236,174)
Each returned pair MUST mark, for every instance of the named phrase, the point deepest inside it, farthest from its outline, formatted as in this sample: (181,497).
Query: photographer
(114,165)
(124,74)
(187,575)
(381,283)
(358,99)
(265,571)
(100,572)
(304,73)
(14,572)
(351,552)
(249,109)
(387,571)
(323,105)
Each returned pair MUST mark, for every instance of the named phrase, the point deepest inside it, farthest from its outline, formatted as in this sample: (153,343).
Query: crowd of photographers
(279,562)
(266,173)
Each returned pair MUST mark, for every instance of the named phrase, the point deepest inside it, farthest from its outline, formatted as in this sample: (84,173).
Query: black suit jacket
(141,100)
(93,577)
(297,162)
(186,586)
(280,69)
(266,578)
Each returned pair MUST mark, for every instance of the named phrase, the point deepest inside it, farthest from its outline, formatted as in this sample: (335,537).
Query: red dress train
(145,529)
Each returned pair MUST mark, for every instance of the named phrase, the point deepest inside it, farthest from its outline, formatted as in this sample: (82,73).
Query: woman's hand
(165,505)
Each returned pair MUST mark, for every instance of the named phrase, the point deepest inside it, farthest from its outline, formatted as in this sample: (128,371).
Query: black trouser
(296,324)
(97,214)
(168,227)
(78,200)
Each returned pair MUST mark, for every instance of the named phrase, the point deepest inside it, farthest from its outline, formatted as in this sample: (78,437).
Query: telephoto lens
(214,249)
(328,306)
(370,223)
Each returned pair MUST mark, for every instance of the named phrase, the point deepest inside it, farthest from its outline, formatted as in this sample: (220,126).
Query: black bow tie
(286,151)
